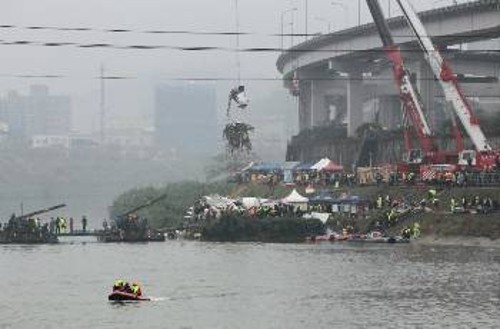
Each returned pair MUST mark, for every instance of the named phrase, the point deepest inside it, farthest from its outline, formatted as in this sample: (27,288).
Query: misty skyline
(91,180)
(134,98)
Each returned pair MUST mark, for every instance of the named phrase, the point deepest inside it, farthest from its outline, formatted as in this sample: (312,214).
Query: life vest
(118,284)
(136,289)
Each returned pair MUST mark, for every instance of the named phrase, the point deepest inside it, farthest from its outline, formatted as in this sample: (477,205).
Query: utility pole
(344,8)
(238,60)
(102,106)
(282,34)
(325,21)
(359,12)
(307,18)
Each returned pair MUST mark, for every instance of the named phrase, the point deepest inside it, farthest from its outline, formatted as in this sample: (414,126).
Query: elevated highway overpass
(347,71)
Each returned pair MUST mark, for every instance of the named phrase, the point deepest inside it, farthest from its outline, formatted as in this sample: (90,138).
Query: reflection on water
(204,285)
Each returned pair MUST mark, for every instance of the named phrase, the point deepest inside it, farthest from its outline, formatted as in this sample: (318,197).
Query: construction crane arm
(446,78)
(143,205)
(407,91)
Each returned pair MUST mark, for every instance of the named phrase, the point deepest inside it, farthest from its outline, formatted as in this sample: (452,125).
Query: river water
(210,285)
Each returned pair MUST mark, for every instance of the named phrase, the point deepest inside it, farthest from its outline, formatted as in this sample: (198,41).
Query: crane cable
(238,59)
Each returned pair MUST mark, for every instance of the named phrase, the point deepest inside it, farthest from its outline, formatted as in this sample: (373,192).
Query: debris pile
(237,136)
(236,133)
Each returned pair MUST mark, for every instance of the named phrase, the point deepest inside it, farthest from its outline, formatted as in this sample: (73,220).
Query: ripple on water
(249,285)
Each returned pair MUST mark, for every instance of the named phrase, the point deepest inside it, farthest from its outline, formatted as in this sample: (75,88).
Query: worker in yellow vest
(136,289)
(453,204)
(416,230)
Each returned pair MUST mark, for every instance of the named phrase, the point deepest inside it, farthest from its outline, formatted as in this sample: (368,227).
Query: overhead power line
(346,32)
(209,48)
(222,78)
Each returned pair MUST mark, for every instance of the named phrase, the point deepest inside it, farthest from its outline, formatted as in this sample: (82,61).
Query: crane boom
(446,78)
(408,93)
(143,205)
(42,211)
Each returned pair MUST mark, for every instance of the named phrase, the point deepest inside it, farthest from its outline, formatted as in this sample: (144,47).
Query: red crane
(483,156)
(429,152)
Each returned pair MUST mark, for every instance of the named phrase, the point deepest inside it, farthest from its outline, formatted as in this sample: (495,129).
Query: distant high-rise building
(186,118)
(38,113)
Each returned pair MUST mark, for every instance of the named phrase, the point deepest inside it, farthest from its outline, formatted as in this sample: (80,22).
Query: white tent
(294,198)
(250,202)
(320,164)
(323,217)
(248,166)
(218,201)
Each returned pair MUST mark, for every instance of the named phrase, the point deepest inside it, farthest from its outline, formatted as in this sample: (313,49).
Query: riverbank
(275,230)
(457,241)
(437,222)
(452,228)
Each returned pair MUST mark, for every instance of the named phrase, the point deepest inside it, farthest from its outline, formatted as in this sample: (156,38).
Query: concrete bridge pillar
(317,103)
(427,87)
(354,102)
(336,106)
(322,92)
(305,100)
(315,100)
(390,113)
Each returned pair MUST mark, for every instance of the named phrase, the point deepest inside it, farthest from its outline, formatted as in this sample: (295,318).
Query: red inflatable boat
(125,296)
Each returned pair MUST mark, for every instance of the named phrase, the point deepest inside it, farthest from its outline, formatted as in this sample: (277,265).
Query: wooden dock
(79,233)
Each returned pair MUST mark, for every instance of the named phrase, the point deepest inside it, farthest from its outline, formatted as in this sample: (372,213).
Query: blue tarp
(288,168)
(323,197)
(351,199)
(328,197)
(267,167)
(290,165)
(304,166)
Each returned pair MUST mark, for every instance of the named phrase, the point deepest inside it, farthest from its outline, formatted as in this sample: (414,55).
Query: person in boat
(136,289)
(406,233)
(127,288)
(119,285)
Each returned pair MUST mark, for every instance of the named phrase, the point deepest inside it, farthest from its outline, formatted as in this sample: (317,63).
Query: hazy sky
(134,98)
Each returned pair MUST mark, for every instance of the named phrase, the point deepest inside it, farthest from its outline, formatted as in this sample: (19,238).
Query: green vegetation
(168,212)
(282,230)
(180,196)
(446,225)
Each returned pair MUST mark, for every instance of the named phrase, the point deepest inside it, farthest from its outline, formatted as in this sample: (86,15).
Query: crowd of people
(61,225)
(476,203)
(388,210)
(394,209)
(203,211)
(34,225)
(299,178)
(440,176)
(28,228)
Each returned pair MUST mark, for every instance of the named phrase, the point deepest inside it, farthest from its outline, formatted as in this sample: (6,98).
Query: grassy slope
(180,196)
